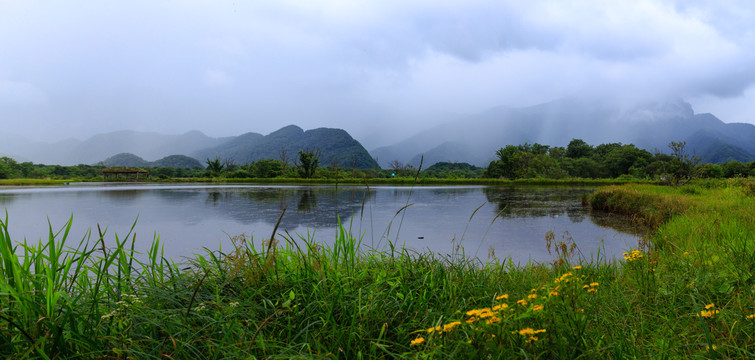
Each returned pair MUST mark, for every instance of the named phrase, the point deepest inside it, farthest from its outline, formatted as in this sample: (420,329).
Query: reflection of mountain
(306,206)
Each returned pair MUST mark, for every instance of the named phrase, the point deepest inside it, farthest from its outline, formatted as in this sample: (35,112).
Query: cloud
(16,93)
(217,77)
(146,64)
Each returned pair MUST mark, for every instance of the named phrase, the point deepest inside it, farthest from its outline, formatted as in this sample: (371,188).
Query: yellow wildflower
(712,347)
(710,306)
(750,317)
(537,307)
(529,332)
(436,328)
(578,267)
(594,284)
(417,341)
(553,293)
(532,296)
(500,307)
(531,339)
(493,320)
(707,313)
(522,302)
(592,290)
(450,326)
(501,297)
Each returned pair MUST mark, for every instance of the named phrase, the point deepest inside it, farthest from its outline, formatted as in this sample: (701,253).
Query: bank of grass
(31,182)
(411,181)
(689,295)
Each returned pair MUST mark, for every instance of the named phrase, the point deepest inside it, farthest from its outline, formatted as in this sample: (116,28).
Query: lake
(484,221)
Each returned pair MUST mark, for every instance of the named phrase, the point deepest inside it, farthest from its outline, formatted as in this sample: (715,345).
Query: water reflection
(440,218)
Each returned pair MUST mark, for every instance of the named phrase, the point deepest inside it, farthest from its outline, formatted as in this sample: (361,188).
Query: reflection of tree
(307,201)
(128,196)
(537,201)
(216,197)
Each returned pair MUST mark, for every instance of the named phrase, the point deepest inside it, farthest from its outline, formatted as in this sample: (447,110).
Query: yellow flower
(522,302)
(592,290)
(532,296)
(712,347)
(537,307)
(594,284)
(500,307)
(553,293)
(529,332)
(501,297)
(437,328)
(417,341)
(578,267)
(493,320)
(233,304)
(531,339)
(710,306)
(707,313)
(450,326)
(750,317)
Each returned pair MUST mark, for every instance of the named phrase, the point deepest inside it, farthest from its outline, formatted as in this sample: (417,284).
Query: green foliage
(215,167)
(447,170)
(308,161)
(612,160)
(267,168)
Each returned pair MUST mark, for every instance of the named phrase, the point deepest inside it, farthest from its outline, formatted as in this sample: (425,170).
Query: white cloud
(217,77)
(20,93)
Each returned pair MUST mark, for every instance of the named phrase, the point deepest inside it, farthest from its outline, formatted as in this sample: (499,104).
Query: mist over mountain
(148,145)
(652,126)
(473,139)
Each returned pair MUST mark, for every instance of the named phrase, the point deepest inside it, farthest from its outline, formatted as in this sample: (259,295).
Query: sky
(381,69)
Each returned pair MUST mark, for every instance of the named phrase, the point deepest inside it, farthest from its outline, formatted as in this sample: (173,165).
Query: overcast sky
(225,67)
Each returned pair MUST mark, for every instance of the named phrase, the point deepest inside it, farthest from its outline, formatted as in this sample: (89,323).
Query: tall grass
(688,294)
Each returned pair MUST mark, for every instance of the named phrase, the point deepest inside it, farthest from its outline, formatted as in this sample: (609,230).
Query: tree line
(612,160)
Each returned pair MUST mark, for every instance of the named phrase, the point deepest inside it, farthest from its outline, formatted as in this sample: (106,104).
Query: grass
(687,292)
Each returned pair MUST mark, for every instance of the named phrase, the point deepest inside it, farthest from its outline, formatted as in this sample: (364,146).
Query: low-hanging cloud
(228,67)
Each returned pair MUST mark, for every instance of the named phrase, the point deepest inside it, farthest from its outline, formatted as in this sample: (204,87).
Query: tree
(283,153)
(577,148)
(308,161)
(215,167)
(397,166)
(681,167)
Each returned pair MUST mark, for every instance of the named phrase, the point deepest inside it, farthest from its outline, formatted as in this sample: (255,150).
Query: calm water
(509,222)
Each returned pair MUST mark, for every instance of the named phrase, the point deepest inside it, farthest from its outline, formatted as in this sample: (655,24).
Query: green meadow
(686,291)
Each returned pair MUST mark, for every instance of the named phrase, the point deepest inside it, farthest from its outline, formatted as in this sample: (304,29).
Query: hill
(336,146)
(131,160)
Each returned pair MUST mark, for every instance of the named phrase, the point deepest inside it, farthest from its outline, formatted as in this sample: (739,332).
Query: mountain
(147,145)
(334,145)
(131,160)
(651,126)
